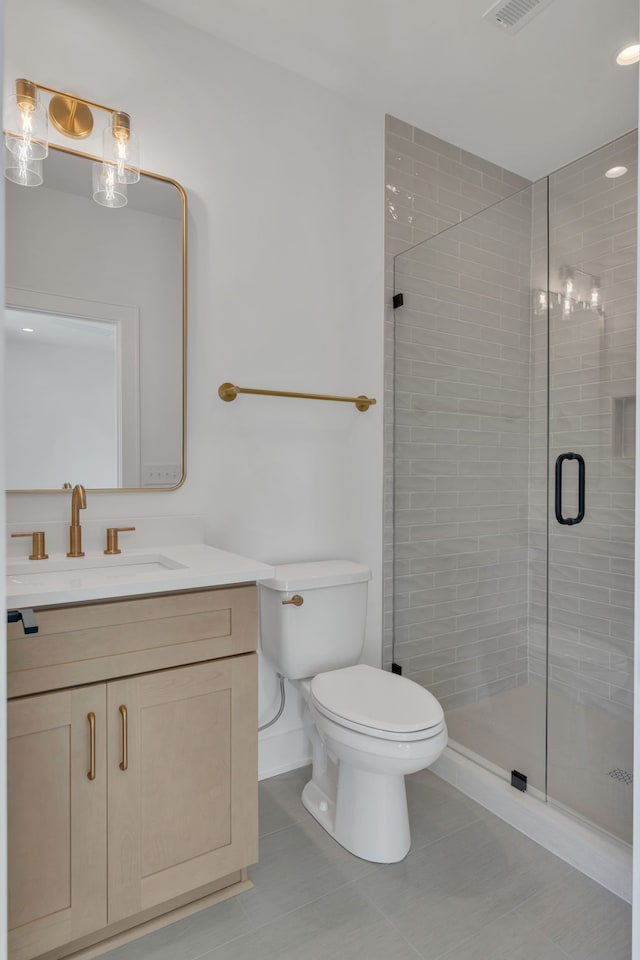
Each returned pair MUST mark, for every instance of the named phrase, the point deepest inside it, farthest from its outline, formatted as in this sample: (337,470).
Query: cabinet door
(183,805)
(56,818)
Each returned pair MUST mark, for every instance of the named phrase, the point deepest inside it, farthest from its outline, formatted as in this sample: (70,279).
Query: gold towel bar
(228,392)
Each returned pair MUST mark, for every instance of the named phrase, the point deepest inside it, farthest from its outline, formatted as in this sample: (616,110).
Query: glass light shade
(25,171)
(26,128)
(107,189)
(123,151)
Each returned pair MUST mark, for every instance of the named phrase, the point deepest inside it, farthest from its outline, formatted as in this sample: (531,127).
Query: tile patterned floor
(471,888)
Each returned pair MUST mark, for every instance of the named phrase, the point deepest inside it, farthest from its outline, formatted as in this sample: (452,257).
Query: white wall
(284,181)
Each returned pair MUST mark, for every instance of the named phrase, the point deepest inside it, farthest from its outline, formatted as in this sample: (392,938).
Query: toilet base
(369,817)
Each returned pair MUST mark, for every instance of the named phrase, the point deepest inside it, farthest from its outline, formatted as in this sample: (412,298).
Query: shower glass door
(466,461)
(514,471)
(592,399)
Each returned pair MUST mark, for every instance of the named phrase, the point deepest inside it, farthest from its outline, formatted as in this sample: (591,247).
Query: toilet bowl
(368,728)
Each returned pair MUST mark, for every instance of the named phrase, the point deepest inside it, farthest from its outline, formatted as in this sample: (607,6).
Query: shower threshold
(596,853)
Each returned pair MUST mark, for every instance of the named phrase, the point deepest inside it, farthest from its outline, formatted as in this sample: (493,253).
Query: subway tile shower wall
(470,375)
(461,397)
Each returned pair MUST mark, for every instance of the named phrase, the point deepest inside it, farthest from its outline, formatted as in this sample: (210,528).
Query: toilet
(368,728)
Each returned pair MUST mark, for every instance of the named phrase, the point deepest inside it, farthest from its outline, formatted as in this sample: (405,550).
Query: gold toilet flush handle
(38,551)
(112,538)
(296,600)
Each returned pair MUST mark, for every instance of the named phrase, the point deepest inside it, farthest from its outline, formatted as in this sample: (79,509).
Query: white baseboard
(282,752)
(595,853)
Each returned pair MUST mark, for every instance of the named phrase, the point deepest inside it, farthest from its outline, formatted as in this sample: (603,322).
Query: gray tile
(190,938)
(511,937)
(448,891)
(584,919)
(343,925)
(436,809)
(297,865)
(280,800)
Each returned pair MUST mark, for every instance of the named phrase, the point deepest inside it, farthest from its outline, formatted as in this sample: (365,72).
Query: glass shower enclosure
(514,462)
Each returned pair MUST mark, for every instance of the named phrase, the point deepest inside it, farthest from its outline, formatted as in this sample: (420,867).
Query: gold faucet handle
(112,538)
(37,544)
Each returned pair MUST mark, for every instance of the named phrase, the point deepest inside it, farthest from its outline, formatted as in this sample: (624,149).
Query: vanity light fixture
(26,140)
(628,55)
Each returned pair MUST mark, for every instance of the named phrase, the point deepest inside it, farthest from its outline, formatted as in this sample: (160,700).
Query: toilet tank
(326,631)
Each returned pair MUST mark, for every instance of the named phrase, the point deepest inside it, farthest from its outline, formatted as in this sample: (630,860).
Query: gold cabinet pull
(91,717)
(124,763)
(296,600)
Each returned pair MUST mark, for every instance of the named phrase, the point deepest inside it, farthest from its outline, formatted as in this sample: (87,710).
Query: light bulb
(26,125)
(107,189)
(120,148)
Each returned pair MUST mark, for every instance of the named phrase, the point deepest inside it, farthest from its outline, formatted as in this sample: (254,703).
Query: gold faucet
(78,503)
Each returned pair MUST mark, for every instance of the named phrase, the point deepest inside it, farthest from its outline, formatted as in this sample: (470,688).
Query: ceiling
(531,101)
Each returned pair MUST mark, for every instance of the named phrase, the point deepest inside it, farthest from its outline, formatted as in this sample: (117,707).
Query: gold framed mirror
(96,333)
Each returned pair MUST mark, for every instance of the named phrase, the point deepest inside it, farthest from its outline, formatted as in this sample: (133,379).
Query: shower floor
(590,750)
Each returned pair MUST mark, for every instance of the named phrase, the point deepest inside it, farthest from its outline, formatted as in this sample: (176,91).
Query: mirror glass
(96,329)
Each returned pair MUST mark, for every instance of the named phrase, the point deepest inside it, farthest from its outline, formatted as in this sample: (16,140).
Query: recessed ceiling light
(614,172)
(628,55)
(27,329)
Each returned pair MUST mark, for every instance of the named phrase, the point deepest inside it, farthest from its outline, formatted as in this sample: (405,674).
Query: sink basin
(69,572)
(32,583)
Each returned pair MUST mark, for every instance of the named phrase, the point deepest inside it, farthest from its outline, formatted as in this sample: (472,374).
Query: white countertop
(63,580)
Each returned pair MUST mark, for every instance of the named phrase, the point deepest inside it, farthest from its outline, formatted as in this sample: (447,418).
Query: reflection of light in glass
(27,329)
(22,169)
(613,172)
(108,191)
(628,55)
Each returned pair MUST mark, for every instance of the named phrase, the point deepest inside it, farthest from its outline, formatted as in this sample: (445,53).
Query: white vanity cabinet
(132,763)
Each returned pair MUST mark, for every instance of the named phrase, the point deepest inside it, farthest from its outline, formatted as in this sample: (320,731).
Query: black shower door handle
(570,521)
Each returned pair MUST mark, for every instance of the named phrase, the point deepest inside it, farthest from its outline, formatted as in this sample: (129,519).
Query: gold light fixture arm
(228,392)
(71,115)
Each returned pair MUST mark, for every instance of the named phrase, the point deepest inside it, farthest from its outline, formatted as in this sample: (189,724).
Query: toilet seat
(377,703)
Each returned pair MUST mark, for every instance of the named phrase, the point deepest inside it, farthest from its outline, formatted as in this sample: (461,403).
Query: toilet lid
(375,698)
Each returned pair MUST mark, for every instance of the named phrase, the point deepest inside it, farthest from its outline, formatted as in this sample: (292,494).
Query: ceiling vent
(512,15)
